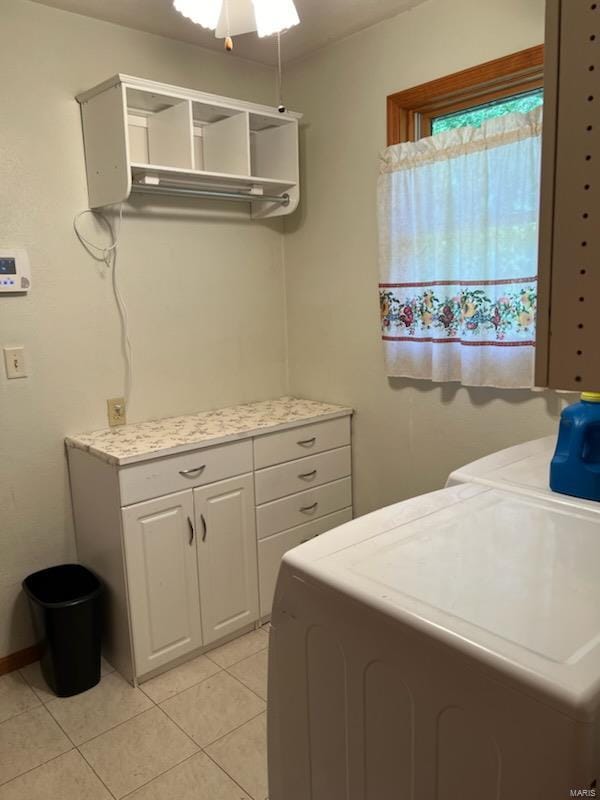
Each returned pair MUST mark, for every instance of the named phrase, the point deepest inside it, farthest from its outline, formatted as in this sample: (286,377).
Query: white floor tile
(198,778)
(67,777)
(133,754)
(179,678)
(110,703)
(15,696)
(240,648)
(213,708)
(253,672)
(243,755)
(33,675)
(28,740)
(131,745)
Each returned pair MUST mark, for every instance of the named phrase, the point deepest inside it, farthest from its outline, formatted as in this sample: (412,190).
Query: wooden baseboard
(20,659)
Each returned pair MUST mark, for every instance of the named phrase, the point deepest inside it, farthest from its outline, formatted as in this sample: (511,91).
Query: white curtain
(458,231)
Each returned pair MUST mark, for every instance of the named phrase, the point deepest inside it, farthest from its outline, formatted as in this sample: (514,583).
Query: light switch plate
(14,362)
(116,412)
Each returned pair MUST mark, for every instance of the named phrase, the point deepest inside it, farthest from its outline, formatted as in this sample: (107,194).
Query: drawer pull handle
(204,528)
(310,538)
(192,473)
(307,476)
(307,442)
(192,532)
(308,509)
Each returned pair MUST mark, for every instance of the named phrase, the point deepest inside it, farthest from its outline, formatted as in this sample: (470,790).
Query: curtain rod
(214,194)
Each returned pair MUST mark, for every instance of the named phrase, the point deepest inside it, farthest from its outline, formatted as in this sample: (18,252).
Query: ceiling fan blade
(241,18)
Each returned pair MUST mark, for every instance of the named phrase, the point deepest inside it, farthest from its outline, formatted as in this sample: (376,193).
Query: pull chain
(281,107)
(228,39)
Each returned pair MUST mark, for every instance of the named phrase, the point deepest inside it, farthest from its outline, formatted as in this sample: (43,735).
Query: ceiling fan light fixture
(232,17)
(274,16)
(202,12)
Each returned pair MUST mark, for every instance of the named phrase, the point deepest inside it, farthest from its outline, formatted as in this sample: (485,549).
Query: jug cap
(591,397)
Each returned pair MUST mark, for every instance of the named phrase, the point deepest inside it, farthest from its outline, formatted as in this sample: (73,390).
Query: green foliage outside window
(476,116)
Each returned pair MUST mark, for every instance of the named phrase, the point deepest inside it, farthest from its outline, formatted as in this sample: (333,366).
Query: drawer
(275,448)
(272,550)
(295,476)
(174,473)
(299,508)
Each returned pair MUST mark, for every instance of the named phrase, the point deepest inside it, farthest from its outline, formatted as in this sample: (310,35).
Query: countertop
(143,441)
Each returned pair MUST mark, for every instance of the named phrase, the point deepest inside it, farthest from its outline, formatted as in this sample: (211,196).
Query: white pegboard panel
(568,354)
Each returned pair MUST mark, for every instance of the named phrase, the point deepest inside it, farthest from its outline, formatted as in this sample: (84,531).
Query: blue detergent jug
(575,468)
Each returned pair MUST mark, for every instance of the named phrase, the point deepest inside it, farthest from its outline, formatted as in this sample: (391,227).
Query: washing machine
(444,647)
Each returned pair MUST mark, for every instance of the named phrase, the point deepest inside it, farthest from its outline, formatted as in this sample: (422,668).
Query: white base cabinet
(192,569)
(160,556)
(227,560)
(189,544)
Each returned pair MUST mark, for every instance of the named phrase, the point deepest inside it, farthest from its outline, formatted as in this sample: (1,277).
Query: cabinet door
(227,556)
(162,575)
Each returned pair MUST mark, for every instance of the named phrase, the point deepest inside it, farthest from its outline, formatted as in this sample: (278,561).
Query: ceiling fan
(229,18)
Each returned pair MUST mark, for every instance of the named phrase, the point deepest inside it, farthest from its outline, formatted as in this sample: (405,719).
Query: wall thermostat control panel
(15,272)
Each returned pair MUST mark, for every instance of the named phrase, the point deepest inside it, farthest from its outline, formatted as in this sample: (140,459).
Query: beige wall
(204,288)
(408,434)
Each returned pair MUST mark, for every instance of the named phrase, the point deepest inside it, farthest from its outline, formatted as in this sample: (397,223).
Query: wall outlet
(14,362)
(116,411)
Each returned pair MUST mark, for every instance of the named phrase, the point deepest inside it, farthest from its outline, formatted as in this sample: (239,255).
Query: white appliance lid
(526,465)
(510,579)
(524,468)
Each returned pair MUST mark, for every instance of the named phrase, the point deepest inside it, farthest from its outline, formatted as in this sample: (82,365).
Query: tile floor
(197,732)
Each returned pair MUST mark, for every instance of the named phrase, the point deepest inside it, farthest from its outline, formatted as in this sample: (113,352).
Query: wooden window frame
(409,113)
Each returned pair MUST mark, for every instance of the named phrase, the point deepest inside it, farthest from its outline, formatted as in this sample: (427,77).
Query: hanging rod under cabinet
(213,194)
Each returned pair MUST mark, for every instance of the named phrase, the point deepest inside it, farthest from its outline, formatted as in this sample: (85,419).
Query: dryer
(444,647)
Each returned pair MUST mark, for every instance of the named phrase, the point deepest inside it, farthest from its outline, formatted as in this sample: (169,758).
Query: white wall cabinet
(189,543)
(160,553)
(227,557)
(140,135)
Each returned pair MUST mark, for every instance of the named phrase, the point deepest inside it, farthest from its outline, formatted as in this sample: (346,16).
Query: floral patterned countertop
(162,437)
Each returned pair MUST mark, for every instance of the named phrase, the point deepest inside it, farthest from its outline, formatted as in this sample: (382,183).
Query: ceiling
(322,22)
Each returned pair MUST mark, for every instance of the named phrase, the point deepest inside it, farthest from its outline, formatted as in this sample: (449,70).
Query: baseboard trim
(20,659)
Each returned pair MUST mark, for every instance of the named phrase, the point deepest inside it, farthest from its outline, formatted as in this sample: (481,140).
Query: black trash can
(66,607)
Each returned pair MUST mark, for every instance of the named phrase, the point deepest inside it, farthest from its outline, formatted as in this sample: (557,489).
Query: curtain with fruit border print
(458,231)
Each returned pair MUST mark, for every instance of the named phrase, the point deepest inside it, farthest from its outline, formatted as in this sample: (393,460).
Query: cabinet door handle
(192,473)
(307,509)
(204,529)
(307,442)
(192,532)
(308,475)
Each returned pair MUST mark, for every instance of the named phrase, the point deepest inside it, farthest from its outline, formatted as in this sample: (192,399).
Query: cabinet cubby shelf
(140,133)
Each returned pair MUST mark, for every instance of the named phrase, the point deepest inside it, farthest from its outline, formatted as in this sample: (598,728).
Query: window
(477,115)
(412,114)
(458,226)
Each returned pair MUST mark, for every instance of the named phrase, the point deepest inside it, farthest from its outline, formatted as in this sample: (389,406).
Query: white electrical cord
(105,252)
(108,255)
